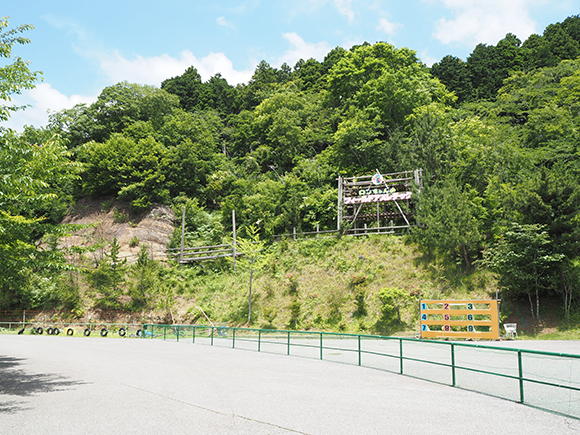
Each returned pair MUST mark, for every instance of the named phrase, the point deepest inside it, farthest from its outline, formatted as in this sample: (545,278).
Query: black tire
(104,332)
(70,331)
(139,333)
(49,331)
(87,332)
(39,330)
(122,332)
(56,331)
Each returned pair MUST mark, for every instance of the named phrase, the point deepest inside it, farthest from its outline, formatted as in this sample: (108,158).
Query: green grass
(326,284)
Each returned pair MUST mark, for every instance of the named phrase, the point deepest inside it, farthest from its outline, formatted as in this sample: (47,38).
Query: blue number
(424,328)
(470,328)
(423,306)
(470,306)
(423,316)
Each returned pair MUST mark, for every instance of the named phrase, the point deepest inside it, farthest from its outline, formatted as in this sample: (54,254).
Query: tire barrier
(71,329)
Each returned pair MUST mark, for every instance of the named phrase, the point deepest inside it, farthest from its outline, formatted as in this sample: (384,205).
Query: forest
(496,137)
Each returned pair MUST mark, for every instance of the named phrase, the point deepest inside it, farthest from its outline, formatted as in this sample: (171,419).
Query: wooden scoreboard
(459,319)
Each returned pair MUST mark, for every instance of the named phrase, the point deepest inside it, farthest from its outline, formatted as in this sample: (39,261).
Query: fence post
(359,360)
(259,339)
(194,329)
(453,363)
(294,233)
(234,338)
(321,346)
(288,343)
(212,329)
(521,376)
(177,333)
(401,355)
(164,332)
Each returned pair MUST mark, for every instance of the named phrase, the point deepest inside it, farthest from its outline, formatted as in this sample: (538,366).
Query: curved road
(75,385)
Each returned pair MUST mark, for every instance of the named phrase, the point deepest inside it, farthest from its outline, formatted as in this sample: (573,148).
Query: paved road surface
(76,385)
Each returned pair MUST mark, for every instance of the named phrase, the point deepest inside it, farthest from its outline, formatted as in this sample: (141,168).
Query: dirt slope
(109,219)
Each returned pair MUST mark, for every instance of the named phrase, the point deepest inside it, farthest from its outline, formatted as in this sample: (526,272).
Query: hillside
(106,219)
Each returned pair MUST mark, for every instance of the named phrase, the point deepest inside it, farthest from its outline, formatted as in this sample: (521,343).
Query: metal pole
(453,364)
(321,348)
(339,204)
(234,338)
(182,236)
(288,342)
(359,357)
(259,339)
(234,236)
(521,376)
(401,355)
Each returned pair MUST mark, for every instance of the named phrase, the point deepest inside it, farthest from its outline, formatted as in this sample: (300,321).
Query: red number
(446,316)
(445,306)
(447,328)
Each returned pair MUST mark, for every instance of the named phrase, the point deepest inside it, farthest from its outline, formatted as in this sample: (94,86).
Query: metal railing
(545,380)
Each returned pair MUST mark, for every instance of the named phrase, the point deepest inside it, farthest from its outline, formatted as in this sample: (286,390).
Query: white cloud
(345,8)
(42,99)
(302,50)
(223,22)
(153,70)
(388,27)
(484,21)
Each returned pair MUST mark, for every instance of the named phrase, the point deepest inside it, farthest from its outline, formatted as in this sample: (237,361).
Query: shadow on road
(15,381)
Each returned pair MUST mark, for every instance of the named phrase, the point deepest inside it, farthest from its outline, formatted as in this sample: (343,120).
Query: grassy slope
(326,284)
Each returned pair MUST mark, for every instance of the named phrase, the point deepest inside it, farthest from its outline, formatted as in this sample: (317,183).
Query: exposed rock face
(106,219)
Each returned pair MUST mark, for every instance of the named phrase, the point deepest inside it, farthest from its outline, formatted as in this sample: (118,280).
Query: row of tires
(87,332)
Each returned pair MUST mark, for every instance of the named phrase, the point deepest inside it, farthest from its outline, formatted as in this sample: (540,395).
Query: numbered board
(459,319)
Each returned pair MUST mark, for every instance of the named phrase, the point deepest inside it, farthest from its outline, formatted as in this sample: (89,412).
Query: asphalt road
(76,385)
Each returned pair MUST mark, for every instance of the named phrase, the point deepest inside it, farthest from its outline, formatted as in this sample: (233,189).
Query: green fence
(545,380)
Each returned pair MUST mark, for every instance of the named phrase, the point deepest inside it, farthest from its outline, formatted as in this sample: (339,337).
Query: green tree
(144,280)
(108,278)
(524,260)
(15,76)
(452,72)
(31,179)
(253,258)
(447,221)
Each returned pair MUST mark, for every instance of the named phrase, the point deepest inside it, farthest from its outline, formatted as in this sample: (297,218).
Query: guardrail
(545,380)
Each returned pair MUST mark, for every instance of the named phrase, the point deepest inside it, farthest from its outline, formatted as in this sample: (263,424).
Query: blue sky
(82,47)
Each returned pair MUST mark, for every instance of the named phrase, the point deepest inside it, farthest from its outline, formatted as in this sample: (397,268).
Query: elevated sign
(379,202)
